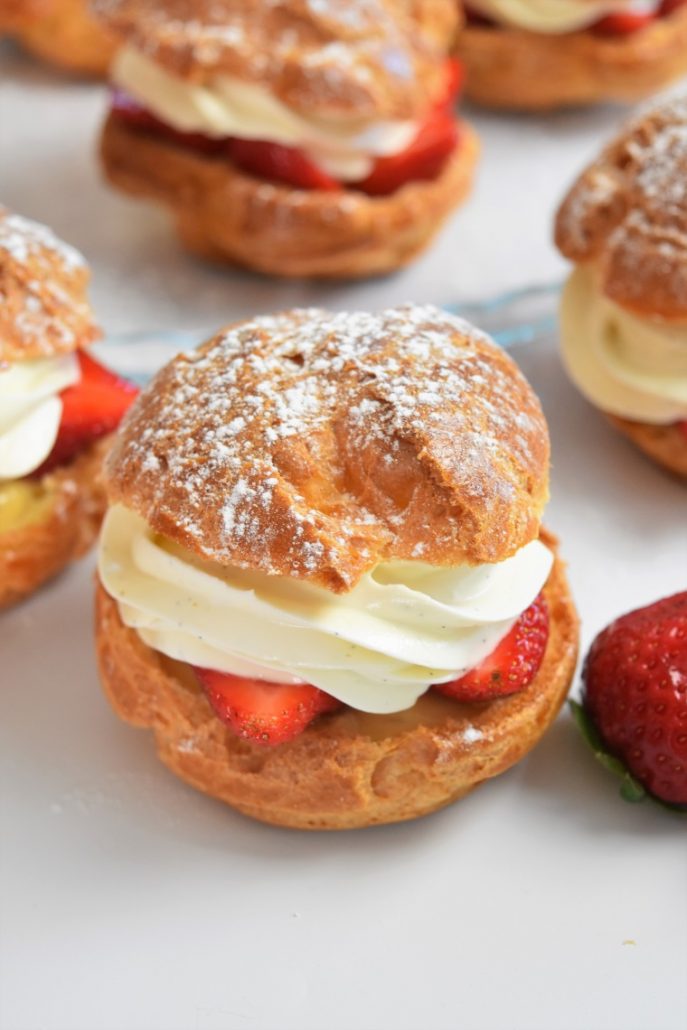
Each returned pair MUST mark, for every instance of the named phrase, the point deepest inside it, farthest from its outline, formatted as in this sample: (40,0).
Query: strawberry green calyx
(631,789)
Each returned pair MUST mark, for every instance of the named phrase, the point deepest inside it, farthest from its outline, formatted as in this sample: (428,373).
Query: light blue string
(496,315)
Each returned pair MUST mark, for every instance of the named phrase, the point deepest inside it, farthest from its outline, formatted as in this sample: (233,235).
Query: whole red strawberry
(635,694)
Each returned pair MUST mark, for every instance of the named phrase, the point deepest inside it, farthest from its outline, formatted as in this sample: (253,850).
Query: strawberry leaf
(630,789)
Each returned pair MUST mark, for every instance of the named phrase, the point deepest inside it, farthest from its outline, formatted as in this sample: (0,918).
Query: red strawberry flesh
(623,23)
(422,160)
(91,409)
(264,713)
(512,666)
(635,692)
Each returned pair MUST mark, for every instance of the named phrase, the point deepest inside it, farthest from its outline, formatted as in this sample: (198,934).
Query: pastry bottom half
(348,769)
(58,521)
(666,445)
(520,70)
(225,215)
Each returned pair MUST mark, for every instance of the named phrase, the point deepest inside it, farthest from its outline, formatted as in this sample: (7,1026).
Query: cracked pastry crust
(75,504)
(528,71)
(315,445)
(364,59)
(627,213)
(226,215)
(666,445)
(349,769)
(44,309)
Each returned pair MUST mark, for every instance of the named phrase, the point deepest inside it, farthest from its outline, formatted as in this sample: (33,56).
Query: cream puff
(323,581)
(57,405)
(542,54)
(295,139)
(61,32)
(624,309)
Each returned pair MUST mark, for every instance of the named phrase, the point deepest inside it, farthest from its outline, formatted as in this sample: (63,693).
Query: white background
(129,902)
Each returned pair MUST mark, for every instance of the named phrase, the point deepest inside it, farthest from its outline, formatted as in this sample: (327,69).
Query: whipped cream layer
(632,367)
(30,411)
(226,106)
(377,648)
(555,16)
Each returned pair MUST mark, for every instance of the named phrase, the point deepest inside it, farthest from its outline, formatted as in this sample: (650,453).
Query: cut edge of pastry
(665,445)
(519,70)
(224,215)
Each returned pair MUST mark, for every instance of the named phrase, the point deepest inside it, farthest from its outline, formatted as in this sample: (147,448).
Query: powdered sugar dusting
(43,308)
(287,435)
(360,57)
(24,241)
(630,210)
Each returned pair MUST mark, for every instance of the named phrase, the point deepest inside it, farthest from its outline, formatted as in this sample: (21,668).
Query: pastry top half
(627,213)
(44,310)
(316,445)
(331,58)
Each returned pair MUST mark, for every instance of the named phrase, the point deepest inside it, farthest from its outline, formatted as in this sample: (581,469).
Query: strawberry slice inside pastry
(430,144)
(558,18)
(273,713)
(91,408)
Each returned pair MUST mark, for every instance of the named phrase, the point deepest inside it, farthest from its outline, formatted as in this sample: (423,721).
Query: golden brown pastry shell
(519,70)
(375,59)
(44,309)
(15,13)
(666,445)
(349,769)
(627,214)
(419,437)
(227,216)
(33,554)
(68,36)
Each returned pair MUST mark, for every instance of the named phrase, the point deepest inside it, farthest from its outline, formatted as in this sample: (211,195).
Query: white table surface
(129,902)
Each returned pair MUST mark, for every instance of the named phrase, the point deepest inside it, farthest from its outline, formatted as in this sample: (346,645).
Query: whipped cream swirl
(224,106)
(556,16)
(377,648)
(30,411)
(629,366)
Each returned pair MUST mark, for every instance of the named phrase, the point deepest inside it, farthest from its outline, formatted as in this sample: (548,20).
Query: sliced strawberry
(455,77)
(623,23)
(669,7)
(682,426)
(274,162)
(125,107)
(422,160)
(512,666)
(264,713)
(130,111)
(91,408)
(277,163)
